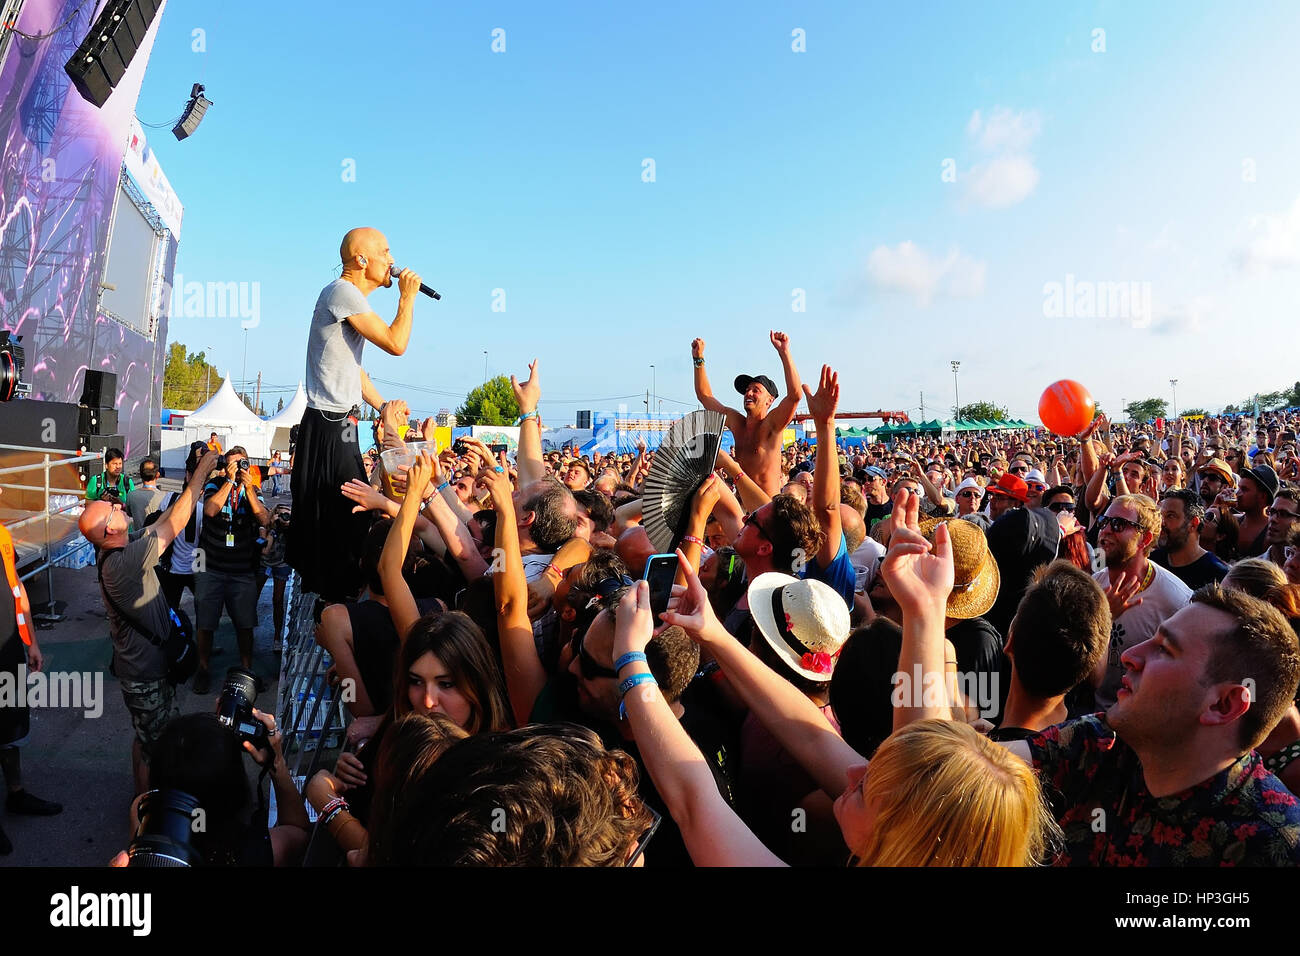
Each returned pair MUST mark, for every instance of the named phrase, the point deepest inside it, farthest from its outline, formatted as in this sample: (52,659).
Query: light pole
(654,386)
(955,397)
(485,366)
(207,375)
(243,375)
(1173,383)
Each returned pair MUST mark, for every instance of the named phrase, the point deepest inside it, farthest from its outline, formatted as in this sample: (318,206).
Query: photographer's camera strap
(10,560)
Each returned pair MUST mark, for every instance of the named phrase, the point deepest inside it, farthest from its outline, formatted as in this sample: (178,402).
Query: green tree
(984,411)
(1146,409)
(188,380)
(492,403)
(1192,412)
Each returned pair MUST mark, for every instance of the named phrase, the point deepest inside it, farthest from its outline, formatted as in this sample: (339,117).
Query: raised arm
(752,497)
(714,835)
(704,392)
(794,720)
(393,338)
(401,603)
(783,414)
(920,578)
(525,676)
(170,524)
(826,476)
(529,459)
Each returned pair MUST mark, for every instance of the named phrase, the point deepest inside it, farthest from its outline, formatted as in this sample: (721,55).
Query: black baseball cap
(744,381)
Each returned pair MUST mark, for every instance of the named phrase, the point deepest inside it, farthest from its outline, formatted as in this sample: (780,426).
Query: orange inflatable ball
(1066,408)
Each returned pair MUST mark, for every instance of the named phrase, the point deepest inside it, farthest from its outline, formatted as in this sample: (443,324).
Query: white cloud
(1002,182)
(1184,318)
(1273,242)
(909,269)
(1009,175)
(1004,130)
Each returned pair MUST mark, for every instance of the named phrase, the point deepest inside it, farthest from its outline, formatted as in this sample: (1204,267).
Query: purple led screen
(61,167)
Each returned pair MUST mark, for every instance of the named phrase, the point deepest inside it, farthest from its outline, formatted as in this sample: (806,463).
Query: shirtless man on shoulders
(758,428)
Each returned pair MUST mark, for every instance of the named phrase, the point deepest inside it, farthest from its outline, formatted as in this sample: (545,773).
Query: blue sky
(1169,160)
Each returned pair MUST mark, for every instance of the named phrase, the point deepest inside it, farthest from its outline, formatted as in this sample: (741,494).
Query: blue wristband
(523,418)
(636,679)
(628,658)
(444,486)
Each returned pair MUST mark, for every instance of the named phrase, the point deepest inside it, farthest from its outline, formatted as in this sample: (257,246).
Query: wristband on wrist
(692,539)
(527,415)
(634,681)
(444,486)
(628,658)
(644,677)
(332,809)
(699,361)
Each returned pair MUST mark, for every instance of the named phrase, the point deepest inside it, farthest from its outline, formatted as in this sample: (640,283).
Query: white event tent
(225,414)
(285,419)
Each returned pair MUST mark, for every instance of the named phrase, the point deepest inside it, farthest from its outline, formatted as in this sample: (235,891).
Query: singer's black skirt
(325,537)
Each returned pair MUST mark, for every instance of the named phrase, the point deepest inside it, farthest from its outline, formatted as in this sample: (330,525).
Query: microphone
(395,271)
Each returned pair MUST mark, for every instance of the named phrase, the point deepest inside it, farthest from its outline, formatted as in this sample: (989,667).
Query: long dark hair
(459,644)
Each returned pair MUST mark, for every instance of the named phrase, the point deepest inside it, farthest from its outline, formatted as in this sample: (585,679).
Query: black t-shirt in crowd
(876,512)
(1207,569)
(229,538)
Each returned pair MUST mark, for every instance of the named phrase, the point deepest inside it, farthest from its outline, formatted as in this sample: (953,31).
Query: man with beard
(1215,477)
(759,427)
(1141,594)
(1180,551)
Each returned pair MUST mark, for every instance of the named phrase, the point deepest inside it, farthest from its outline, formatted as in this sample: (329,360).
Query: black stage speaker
(100,443)
(193,115)
(584,419)
(103,57)
(99,390)
(96,421)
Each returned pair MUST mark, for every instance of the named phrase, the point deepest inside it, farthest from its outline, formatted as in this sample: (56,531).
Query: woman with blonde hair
(935,794)
(1255,576)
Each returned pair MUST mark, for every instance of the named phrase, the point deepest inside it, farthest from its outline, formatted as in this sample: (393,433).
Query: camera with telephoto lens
(166,825)
(235,708)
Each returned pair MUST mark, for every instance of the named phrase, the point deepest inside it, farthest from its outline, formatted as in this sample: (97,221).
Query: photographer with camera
(274,566)
(197,774)
(112,485)
(232,513)
(139,617)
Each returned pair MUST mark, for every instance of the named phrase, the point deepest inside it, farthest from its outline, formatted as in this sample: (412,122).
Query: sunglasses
(1056,507)
(1117,525)
(1018,471)
(591,669)
(657,818)
(750,519)
(970,494)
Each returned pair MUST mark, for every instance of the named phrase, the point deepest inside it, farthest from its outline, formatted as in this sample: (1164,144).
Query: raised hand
(419,475)
(529,392)
(697,348)
(366,497)
(780,342)
(919,574)
(822,405)
(394,415)
(1120,593)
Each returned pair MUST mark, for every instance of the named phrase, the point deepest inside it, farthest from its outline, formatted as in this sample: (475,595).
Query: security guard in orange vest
(19,653)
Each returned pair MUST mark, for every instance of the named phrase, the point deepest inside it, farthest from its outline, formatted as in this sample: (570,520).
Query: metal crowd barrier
(75,458)
(310,713)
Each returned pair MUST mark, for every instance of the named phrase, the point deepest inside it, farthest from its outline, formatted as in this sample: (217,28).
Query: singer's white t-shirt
(334,349)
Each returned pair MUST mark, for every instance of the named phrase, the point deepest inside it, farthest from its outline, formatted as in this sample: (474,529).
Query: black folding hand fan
(681,464)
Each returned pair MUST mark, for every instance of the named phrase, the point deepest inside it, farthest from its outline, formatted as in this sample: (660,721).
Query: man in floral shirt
(1169,775)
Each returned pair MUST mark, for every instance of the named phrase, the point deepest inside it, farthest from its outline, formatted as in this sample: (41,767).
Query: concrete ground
(85,763)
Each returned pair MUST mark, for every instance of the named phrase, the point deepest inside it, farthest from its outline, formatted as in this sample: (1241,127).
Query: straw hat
(976,579)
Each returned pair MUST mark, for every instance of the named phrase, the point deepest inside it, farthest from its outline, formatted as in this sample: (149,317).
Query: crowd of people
(1003,648)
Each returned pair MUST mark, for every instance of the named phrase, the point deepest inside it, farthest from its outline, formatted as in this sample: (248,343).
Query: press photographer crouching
(201,811)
